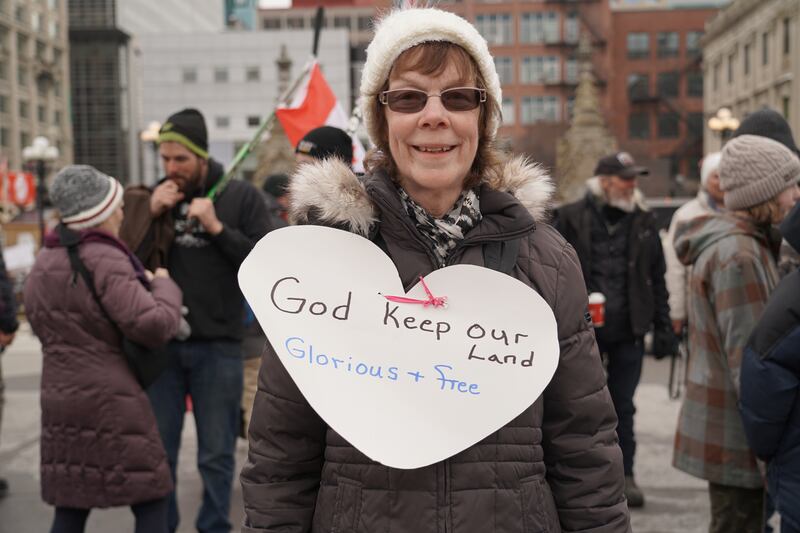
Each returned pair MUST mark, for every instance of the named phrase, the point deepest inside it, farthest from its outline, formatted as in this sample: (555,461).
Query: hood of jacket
(693,237)
(329,192)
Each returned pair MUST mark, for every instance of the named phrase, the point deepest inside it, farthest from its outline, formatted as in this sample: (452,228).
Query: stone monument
(587,139)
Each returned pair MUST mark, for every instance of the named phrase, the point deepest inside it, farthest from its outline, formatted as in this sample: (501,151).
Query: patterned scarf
(446,232)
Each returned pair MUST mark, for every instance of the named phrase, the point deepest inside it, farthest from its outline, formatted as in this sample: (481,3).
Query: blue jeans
(624,371)
(211,373)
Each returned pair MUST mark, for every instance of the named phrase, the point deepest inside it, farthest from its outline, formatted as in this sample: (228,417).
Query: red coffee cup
(597,308)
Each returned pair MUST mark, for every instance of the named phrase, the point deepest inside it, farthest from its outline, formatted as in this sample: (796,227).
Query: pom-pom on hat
(84,196)
(755,169)
(402,29)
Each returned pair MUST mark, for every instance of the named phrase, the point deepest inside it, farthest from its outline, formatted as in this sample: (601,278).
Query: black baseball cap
(620,164)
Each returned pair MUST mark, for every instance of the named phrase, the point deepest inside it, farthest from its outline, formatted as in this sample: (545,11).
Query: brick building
(655,97)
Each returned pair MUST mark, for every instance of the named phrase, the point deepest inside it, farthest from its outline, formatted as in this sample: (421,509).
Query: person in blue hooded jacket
(770,389)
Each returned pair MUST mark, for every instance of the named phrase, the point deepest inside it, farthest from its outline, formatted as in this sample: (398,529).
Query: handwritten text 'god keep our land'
(285,298)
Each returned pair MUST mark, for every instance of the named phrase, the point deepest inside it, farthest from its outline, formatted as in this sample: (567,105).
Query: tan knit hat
(402,29)
(755,169)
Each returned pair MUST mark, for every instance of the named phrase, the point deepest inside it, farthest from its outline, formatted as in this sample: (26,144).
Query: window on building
(746,58)
(693,43)
(572,28)
(694,84)
(496,29)
(57,118)
(540,69)
(3,70)
(5,140)
(540,109)
(341,22)
(252,74)
(508,111)
(222,122)
(571,70)
(668,84)
(41,113)
(3,103)
(638,45)
(22,76)
(539,27)
(253,121)
(41,51)
(787,108)
(505,69)
(787,36)
(23,109)
(668,44)
(764,48)
(639,125)
(668,125)
(221,75)
(189,75)
(364,23)
(271,24)
(295,23)
(715,78)
(570,107)
(731,61)
(638,87)
(694,125)
(24,139)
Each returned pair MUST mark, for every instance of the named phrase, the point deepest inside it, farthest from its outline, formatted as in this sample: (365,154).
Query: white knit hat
(402,29)
(710,164)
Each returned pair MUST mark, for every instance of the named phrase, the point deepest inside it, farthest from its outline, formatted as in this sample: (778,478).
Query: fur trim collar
(330,192)
(594,188)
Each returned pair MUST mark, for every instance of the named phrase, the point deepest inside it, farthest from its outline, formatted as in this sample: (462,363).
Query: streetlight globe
(724,113)
(715,123)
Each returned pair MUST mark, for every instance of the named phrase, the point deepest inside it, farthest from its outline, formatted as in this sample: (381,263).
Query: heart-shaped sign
(408,384)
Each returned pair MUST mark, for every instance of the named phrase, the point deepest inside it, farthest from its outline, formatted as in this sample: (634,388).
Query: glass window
(3,70)
(253,121)
(41,113)
(24,139)
(572,28)
(639,125)
(638,45)
(571,70)
(668,125)
(764,48)
(540,69)
(505,69)
(787,37)
(189,75)
(731,61)
(496,29)
(694,125)
(715,78)
(693,43)
(253,74)
(668,84)
(271,24)
(57,118)
(296,23)
(221,75)
(23,109)
(746,58)
(364,24)
(22,76)
(3,103)
(668,44)
(539,27)
(341,22)
(222,122)
(638,87)
(508,111)
(694,83)
(787,108)
(540,109)
(4,138)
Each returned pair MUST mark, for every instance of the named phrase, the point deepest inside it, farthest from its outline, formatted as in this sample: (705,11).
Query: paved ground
(675,502)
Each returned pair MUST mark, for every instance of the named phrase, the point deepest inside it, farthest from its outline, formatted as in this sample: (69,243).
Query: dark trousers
(151,517)
(211,373)
(624,367)
(735,509)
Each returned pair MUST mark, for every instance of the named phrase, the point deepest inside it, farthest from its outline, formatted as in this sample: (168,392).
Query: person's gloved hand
(665,342)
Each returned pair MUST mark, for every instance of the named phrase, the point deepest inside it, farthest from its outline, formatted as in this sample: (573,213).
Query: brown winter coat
(556,467)
(100,445)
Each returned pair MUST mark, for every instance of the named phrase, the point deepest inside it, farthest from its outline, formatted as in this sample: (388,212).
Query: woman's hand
(149,275)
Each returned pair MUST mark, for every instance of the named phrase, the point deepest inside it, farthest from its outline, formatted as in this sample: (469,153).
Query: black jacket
(205,266)
(8,301)
(646,288)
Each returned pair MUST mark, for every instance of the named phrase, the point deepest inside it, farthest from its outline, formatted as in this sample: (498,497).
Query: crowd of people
(153,270)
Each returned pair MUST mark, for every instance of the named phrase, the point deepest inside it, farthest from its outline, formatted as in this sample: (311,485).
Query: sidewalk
(675,501)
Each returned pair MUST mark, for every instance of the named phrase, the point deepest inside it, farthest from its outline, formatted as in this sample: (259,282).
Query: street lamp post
(723,123)
(150,135)
(40,153)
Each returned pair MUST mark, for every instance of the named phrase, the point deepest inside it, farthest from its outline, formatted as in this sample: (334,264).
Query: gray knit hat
(755,169)
(84,196)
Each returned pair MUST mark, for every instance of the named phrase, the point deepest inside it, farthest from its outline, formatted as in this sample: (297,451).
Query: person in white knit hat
(437,192)
(708,200)
(733,257)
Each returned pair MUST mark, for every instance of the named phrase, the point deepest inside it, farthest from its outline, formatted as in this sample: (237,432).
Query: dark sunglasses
(414,100)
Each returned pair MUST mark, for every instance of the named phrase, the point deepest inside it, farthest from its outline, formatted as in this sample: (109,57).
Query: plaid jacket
(733,273)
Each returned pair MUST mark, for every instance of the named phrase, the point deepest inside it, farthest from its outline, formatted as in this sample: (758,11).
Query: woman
(733,257)
(100,445)
(436,194)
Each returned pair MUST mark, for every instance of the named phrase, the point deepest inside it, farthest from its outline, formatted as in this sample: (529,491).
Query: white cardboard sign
(408,385)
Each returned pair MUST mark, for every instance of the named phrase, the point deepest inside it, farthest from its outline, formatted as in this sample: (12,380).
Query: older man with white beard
(617,241)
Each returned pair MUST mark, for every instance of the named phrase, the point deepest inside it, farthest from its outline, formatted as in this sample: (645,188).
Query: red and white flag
(315,105)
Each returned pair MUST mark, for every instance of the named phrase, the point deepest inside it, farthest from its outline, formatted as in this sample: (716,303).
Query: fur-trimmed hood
(330,192)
